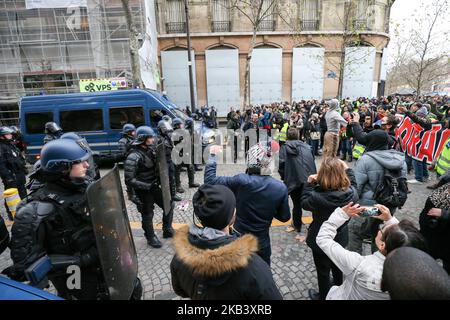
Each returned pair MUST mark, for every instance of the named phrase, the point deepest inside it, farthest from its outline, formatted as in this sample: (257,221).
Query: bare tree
(419,59)
(256,12)
(134,45)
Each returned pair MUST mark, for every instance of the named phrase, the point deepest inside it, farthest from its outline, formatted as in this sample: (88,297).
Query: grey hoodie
(333,118)
(369,169)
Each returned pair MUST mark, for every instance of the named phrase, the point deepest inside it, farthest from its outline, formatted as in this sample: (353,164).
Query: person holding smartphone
(363,274)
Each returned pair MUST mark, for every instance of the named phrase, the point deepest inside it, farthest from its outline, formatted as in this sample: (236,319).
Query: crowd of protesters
(349,206)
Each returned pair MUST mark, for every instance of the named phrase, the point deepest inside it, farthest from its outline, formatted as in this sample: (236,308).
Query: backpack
(392,192)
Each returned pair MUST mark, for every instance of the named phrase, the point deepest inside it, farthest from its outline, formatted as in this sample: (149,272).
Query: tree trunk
(134,46)
(247,71)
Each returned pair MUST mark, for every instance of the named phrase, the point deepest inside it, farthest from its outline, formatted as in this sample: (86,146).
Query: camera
(370,212)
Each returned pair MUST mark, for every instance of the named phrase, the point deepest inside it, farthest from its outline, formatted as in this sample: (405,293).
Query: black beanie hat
(214,205)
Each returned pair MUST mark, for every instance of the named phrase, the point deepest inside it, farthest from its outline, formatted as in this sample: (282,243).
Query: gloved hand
(135,199)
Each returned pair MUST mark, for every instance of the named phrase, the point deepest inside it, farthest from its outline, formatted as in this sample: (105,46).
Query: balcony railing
(360,24)
(267,25)
(310,25)
(221,26)
(175,27)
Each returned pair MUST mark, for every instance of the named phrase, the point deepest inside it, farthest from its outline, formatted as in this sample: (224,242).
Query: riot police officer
(55,220)
(126,142)
(165,131)
(178,136)
(142,177)
(12,165)
(52,132)
(18,139)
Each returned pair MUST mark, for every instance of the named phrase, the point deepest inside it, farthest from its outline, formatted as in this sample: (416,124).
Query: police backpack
(392,191)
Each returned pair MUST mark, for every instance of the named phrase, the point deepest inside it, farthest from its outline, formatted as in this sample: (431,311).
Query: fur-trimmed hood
(213,263)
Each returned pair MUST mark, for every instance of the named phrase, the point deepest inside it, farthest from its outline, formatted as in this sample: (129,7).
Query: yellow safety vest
(443,162)
(283,133)
(358,151)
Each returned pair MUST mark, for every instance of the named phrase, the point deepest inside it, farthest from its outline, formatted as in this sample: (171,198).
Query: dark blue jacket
(259,199)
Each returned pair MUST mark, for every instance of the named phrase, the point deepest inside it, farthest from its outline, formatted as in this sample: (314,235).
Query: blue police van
(98,117)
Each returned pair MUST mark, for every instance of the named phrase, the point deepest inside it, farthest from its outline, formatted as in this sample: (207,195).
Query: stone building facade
(298,51)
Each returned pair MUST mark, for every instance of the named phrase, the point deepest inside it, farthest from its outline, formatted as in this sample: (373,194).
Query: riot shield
(115,244)
(163,170)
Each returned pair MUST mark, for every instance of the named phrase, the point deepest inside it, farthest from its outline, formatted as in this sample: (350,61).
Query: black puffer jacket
(296,164)
(231,269)
(322,204)
(436,230)
(141,172)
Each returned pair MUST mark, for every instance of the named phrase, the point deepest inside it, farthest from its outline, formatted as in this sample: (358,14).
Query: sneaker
(414,181)
(313,294)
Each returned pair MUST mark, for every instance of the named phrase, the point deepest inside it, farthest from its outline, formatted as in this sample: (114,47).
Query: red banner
(419,143)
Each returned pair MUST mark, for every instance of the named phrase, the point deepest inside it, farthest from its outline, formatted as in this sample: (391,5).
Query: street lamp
(191,77)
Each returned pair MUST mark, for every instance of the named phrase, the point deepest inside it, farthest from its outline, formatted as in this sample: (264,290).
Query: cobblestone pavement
(292,263)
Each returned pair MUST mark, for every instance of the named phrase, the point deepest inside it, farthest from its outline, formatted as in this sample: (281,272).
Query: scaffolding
(48,50)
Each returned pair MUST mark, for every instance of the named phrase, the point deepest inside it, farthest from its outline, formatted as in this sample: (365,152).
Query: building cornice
(269,33)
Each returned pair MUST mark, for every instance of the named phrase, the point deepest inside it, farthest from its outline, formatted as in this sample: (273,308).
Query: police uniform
(55,220)
(12,167)
(177,137)
(142,177)
(126,142)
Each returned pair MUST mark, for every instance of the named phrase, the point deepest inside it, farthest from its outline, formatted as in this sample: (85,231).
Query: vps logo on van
(94,85)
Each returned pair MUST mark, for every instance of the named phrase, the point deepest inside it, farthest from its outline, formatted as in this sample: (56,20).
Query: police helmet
(164,127)
(75,137)
(15,129)
(51,127)
(176,122)
(167,119)
(6,130)
(71,135)
(58,156)
(142,133)
(189,123)
(128,127)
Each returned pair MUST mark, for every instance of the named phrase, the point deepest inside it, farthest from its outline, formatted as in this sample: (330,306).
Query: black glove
(137,201)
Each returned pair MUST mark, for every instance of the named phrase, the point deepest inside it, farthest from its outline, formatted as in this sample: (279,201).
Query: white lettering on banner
(421,144)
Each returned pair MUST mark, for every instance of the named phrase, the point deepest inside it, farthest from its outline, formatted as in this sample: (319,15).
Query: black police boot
(191,177)
(350,158)
(154,242)
(197,167)
(180,189)
(313,294)
(344,157)
(173,193)
(168,233)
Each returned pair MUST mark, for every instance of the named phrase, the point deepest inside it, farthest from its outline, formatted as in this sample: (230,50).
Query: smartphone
(370,212)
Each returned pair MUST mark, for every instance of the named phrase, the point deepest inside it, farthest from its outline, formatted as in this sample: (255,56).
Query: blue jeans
(420,169)
(315,146)
(408,160)
(346,147)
